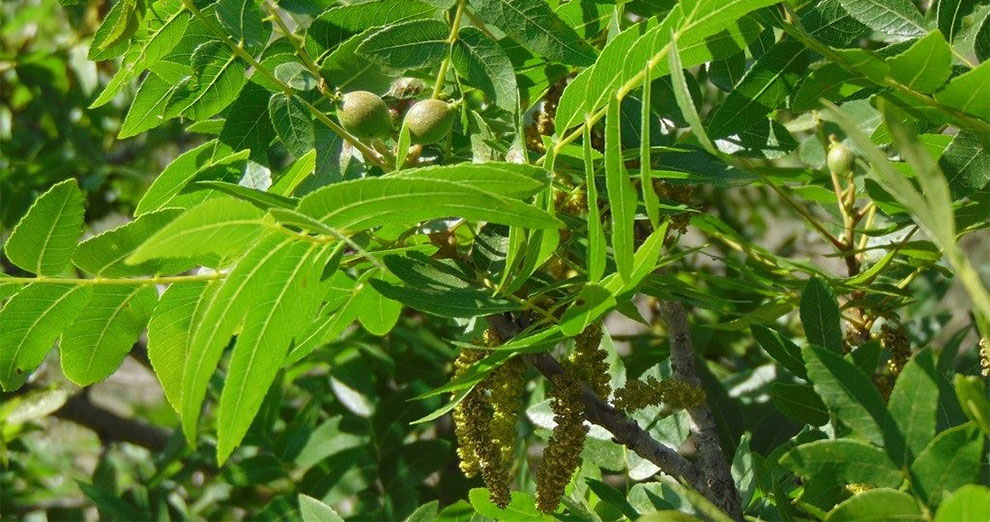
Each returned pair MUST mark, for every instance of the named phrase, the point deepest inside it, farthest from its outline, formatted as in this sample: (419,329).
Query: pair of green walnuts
(365,115)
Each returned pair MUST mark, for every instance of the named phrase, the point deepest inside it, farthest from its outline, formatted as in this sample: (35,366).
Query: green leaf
(370,202)
(592,303)
(764,88)
(650,199)
(293,296)
(210,160)
(597,254)
(296,75)
(104,255)
(914,401)
(425,513)
(644,262)
(448,303)
(295,175)
(710,28)
(44,239)
(521,507)
(966,164)
(981,42)
(407,45)
(964,92)
(949,14)
(217,79)
(242,20)
(217,226)
(972,396)
(484,64)
(621,194)
(110,504)
(349,71)
(292,123)
(514,180)
(32,319)
(850,395)
(149,107)
(924,66)
(950,461)
(312,510)
(533,25)
(684,101)
(782,349)
(240,292)
(170,329)
(877,505)
(248,124)
(165,21)
(820,315)
(259,198)
(898,18)
(970,503)
(112,36)
(540,245)
(103,333)
(338,312)
(376,313)
(341,22)
(843,461)
(799,402)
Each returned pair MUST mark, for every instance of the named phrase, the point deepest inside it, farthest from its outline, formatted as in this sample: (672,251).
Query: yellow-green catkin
(506,397)
(985,357)
(895,341)
(588,363)
(563,452)
(480,421)
(857,488)
(467,413)
(638,394)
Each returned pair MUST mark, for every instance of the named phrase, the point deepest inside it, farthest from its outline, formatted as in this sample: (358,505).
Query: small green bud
(429,121)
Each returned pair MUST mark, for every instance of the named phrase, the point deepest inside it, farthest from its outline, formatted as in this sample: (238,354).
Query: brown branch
(624,430)
(110,426)
(718,474)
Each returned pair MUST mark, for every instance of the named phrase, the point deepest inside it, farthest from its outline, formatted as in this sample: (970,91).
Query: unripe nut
(365,115)
(840,158)
(429,121)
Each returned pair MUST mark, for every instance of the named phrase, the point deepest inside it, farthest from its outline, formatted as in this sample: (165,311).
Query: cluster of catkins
(894,340)
(485,421)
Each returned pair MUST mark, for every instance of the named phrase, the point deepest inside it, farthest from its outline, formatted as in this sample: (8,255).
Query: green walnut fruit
(365,115)
(429,121)
(840,158)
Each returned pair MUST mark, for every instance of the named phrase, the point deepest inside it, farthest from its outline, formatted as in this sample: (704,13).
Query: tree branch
(718,474)
(624,430)
(110,426)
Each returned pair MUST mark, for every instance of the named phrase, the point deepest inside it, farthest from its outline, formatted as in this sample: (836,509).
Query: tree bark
(717,472)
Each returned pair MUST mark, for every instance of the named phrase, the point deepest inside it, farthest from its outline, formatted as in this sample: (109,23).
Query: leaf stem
(455,26)
(294,40)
